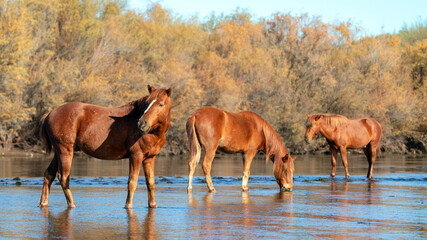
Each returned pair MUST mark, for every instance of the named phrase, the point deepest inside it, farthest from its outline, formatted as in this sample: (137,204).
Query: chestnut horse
(342,133)
(135,131)
(245,133)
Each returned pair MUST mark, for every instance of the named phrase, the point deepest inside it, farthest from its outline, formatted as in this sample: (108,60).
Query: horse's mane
(273,143)
(136,107)
(332,120)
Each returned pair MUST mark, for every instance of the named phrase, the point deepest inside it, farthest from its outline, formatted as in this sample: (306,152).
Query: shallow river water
(392,206)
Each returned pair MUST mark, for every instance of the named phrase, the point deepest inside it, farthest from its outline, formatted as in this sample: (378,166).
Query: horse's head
(155,109)
(284,171)
(313,127)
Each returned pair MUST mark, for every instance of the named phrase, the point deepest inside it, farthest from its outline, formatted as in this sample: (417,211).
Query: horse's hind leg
(207,164)
(370,152)
(247,160)
(65,160)
(194,159)
(49,176)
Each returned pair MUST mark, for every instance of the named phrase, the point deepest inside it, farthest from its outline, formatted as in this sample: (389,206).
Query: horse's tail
(43,134)
(378,149)
(195,149)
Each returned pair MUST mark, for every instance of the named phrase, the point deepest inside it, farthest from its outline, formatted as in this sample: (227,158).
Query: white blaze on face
(146,110)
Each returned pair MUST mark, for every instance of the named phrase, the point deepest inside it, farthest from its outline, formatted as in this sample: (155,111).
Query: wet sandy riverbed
(391,206)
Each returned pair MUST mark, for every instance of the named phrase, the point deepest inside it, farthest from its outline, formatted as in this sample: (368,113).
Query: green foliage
(417,31)
(281,67)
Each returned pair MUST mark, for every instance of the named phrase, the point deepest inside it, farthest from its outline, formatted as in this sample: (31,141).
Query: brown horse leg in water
(60,167)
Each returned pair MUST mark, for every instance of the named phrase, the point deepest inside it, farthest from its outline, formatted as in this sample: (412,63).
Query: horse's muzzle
(308,140)
(143,126)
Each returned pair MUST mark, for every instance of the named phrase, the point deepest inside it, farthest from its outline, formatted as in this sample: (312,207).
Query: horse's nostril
(142,124)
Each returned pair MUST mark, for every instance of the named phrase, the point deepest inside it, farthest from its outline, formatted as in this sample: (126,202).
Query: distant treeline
(282,67)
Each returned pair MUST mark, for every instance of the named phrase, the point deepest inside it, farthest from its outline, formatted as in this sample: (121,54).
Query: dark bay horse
(245,133)
(342,133)
(135,131)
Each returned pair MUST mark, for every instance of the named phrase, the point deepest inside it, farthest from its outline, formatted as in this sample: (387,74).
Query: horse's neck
(275,145)
(327,131)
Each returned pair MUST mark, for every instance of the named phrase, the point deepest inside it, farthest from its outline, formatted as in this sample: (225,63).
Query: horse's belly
(102,146)
(358,142)
(228,146)
(105,153)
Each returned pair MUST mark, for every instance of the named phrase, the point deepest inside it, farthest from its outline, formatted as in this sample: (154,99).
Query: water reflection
(58,226)
(391,206)
(147,231)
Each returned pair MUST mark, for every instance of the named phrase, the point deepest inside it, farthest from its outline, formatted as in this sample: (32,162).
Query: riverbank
(415,144)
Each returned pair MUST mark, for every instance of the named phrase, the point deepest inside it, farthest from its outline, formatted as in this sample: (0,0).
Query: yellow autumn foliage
(281,67)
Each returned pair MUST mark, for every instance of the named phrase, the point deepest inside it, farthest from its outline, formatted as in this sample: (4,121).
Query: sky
(374,17)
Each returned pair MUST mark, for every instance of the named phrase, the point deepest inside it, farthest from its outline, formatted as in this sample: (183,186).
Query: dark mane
(137,107)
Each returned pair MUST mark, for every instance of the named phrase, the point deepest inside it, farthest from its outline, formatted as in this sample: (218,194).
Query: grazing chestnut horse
(342,133)
(135,131)
(245,133)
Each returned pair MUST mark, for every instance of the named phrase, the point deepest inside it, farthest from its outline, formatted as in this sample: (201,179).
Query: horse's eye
(161,105)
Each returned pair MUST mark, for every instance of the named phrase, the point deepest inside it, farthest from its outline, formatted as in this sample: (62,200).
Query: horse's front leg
(343,151)
(247,160)
(333,161)
(134,168)
(150,180)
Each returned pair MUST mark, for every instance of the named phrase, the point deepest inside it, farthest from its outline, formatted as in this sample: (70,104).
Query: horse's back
(92,128)
(373,126)
(209,123)
(360,132)
(65,118)
(231,132)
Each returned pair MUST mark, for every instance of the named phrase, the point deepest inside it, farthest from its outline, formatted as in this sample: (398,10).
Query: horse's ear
(150,88)
(169,91)
(288,157)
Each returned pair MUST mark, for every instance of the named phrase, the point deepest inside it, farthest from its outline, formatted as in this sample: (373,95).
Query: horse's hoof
(72,205)
(128,206)
(212,190)
(245,189)
(189,190)
(332,175)
(347,177)
(286,189)
(42,205)
(152,205)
